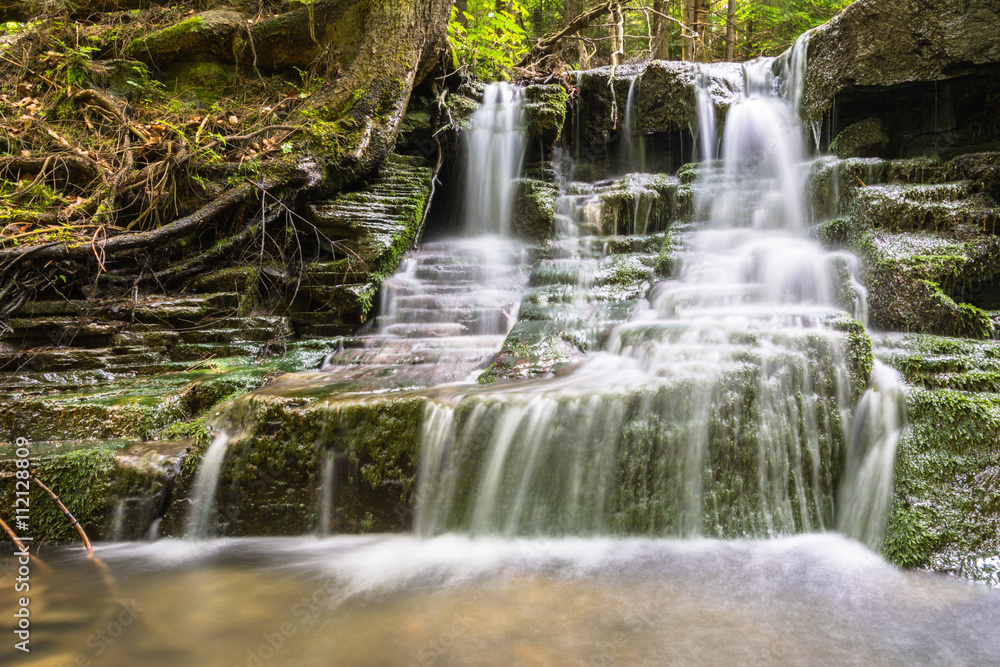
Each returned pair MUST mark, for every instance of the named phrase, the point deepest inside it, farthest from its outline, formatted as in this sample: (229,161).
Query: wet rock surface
(928,71)
(926,232)
(946,510)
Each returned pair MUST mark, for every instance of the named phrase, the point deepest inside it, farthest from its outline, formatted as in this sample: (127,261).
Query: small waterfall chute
(496,146)
(201,514)
(866,490)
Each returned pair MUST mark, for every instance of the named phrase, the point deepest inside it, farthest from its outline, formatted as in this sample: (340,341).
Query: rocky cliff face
(928,71)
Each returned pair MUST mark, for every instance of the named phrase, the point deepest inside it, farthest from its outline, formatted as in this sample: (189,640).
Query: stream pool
(816,599)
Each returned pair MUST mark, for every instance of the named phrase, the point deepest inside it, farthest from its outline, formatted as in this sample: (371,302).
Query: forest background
(492,37)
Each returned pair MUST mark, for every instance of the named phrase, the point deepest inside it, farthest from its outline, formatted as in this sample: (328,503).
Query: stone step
(65,359)
(452,343)
(428,330)
(900,208)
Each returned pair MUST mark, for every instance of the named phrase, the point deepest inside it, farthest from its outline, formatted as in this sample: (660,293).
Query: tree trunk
(397,45)
(731,31)
(462,6)
(688,38)
(661,31)
(701,25)
(376,53)
(617,34)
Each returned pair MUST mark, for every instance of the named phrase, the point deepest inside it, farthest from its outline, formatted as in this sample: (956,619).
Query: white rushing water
(706,114)
(721,408)
(446,310)
(495,153)
(201,514)
(634,144)
(866,490)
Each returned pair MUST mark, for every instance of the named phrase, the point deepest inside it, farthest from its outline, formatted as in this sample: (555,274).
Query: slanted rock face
(929,69)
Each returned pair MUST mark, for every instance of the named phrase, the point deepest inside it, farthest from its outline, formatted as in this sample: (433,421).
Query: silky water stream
(669,499)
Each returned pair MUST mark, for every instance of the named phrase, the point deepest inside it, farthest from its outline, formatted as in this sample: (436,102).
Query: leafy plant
(488,43)
(71,64)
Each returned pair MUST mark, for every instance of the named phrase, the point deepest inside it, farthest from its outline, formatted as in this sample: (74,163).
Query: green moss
(174,32)
(545,108)
(533,209)
(865,138)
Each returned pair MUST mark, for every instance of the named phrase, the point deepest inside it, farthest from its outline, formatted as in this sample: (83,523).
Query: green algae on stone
(638,204)
(946,498)
(865,138)
(533,209)
(545,109)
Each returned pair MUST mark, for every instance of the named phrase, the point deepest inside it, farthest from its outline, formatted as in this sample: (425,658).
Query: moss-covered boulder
(946,501)
(272,477)
(865,138)
(115,489)
(926,233)
(638,204)
(533,209)
(204,80)
(545,110)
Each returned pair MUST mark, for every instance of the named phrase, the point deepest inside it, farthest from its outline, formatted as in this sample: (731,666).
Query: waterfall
(634,146)
(446,310)
(796,63)
(720,408)
(326,495)
(866,490)
(706,114)
(495,152)
(201,514)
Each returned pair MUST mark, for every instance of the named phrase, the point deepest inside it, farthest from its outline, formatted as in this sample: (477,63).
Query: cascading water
(863,502)
(634,144)
(706,114)
(495,153)
(721,409)
(445,312)
(201,514)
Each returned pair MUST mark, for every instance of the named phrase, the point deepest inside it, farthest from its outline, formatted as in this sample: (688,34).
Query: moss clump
(89,478)
(638,204)
(947,502)
(545,110)
(204,80)
(946,510)
(533,209)
(865,138)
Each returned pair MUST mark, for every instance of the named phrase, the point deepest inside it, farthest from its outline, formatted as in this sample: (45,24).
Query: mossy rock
(865,138)
(271,478)
(545,109)
(90,478)
(203,80)
(533,209)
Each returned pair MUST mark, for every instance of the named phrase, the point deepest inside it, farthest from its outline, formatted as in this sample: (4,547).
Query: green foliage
(488,43)
(768,27)
(72,63)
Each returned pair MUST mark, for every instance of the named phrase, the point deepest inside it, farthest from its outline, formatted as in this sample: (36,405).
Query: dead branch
(550,43)
(69,515)
(15,165)
(13,536)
